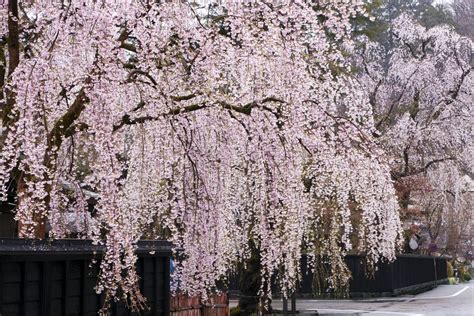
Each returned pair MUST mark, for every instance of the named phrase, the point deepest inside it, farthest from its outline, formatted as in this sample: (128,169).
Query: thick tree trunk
(7,98)
(13,36)
(3,77)
(452,235)
(13,44)
(250,282)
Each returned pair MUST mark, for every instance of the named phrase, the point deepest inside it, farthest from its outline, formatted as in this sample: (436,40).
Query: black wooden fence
(407,274)
(46,278)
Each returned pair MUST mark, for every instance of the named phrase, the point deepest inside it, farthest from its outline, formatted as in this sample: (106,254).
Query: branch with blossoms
(242,109)
(417,171)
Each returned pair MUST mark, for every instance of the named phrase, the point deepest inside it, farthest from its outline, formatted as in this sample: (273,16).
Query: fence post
(293,303)
(285,306)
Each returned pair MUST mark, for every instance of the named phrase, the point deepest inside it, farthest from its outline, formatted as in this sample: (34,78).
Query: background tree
(382,13)
(421,93)
(463,16)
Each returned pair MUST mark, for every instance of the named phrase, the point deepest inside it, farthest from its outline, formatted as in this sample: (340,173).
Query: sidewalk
(456,300)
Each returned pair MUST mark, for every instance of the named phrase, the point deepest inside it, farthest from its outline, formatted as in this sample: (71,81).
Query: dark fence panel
(441,268)
(408,273)
(8,224)
(382,281)
(57,278)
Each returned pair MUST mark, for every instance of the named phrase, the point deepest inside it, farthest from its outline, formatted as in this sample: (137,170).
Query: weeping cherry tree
(216,127)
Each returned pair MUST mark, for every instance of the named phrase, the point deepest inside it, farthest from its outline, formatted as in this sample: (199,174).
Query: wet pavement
(444,300)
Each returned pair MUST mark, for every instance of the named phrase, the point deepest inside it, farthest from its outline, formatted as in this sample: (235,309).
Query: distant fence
(408,273)
(183,305)
(43,278)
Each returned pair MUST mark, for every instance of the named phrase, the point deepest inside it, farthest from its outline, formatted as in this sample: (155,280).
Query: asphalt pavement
(444,300)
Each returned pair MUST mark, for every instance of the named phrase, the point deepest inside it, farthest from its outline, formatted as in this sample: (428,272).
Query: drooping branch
(338,119)
(407,172)
(136,72)
(373,95)
(413,49)
(62,127)
(455,92)
(183,97)
(429,164)
(395,102)
(123,39)
(243,109)
(127,120)
(74,128)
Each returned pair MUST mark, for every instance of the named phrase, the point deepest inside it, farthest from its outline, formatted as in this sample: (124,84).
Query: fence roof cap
(17,246)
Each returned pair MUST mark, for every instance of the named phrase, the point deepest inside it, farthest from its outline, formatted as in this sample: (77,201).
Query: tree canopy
(208,126)
(226,126)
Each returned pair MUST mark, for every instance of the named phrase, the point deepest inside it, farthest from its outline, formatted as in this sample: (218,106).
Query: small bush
(452,281)
(462,271)
(450,270)
(235,311)
(467,277)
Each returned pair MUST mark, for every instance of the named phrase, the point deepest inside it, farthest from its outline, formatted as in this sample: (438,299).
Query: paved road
(444,300)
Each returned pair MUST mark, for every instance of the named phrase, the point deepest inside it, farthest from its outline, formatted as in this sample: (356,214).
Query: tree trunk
(13,44)
(250,283)
(7,98)
(13,36)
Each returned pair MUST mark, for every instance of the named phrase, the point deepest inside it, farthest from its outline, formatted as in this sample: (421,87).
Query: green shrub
(452,281)
(235,311)
(463,272)
(467,276)
(450,270)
